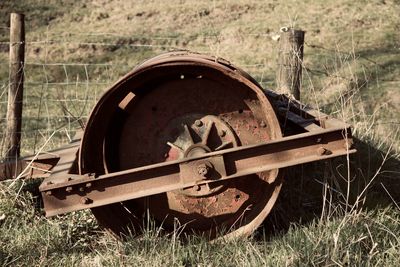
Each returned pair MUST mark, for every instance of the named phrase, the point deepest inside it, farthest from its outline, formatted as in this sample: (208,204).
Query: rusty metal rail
(77,192)
(55,162)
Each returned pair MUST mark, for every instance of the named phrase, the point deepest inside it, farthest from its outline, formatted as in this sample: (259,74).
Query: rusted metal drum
(178,105)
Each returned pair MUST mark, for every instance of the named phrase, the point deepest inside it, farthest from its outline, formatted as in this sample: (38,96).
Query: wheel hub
(194,135)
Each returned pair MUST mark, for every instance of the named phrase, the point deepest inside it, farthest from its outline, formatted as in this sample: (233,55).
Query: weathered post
(290,60)
(16,86)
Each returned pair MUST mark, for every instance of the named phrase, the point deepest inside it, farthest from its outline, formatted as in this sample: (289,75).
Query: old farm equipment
(189,139)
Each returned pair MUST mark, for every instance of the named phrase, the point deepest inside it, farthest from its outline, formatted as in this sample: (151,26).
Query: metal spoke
(207,133)
(224,144)
(188,134)
(172,145)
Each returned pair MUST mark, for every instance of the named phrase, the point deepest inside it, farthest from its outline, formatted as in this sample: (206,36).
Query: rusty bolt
(222,133)
(203,169)
(49,193)
(85,200)
(68,189)
(197,187)
(69,179)
(198,123)
(88,185)
(237,197)
(49,183)
(322,151)
(262,124)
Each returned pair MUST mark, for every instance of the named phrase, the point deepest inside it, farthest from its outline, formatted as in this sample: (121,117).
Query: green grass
(351,71)
(359,238)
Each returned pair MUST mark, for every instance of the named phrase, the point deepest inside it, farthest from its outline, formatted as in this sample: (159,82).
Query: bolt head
(197,187)
(88,185)
(84,200)
(321,151)
(203,169)
(262,124)
(198,123)
(49,193)
(68,189)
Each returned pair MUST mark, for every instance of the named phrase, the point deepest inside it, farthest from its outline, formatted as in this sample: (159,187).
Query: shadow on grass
(4,258)
(302,196)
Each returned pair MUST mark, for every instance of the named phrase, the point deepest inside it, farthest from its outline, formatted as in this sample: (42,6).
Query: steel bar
(77,192)
(57,162)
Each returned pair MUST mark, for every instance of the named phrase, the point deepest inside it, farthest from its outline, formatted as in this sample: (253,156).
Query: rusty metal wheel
(181,105)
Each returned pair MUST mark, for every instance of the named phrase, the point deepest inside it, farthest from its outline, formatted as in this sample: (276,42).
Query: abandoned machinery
(184,138)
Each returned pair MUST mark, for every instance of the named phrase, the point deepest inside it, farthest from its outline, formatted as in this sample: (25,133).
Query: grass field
(326,215)
(367,238)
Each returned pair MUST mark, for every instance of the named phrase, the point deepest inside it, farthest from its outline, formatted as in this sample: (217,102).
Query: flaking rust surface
(227,202)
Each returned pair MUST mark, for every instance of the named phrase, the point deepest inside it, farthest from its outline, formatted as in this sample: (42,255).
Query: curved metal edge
(175,58)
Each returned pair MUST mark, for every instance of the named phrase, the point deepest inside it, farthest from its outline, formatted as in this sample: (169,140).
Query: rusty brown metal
(173,175)
(192,139)
(28,167)
(171,91)
(56,163)
(183,138)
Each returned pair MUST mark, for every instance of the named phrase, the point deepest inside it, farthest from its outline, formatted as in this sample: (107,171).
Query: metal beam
(76,192)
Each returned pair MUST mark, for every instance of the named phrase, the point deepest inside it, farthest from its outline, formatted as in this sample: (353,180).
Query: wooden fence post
(290,60)
(16,86)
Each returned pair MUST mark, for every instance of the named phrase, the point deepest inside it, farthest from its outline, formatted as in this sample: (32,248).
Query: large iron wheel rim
(143,119)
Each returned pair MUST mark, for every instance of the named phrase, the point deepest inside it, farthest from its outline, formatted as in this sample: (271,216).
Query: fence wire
(58,94)
(65,74)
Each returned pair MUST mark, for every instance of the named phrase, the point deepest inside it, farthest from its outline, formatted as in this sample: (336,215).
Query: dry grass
(351,48)
(343,212)
(355,238)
